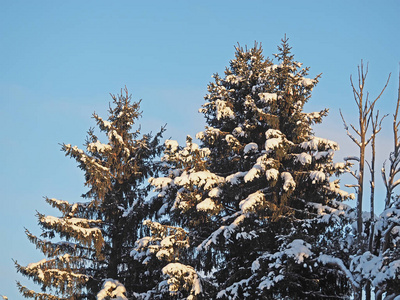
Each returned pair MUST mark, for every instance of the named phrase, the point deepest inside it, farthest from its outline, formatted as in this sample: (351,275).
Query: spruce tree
(167,251)
(87,248)
(257,197)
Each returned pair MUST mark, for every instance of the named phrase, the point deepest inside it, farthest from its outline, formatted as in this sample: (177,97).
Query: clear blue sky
(59,60)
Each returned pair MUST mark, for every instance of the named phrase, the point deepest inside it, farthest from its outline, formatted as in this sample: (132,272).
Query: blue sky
(59,60)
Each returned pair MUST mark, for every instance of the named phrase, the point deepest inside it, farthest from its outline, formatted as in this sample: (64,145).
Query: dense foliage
(256,198)
(88,246)
(253,210)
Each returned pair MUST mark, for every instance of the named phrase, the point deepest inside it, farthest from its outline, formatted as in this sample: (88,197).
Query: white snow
(356,158)
(272,174)
(99,147)
(206,179)
(107,124)
(223,111)
(310,117)
(113,135)
(333,186)
(161,184)
(112,289)
(257,170)
(269,281)
(317,176)
(274,139)
(143,242)
(207,205)
(271,68)
(37,264)
(231,140)
(288,181)
(270,133)
(238,132)
(307,81)
(272,144)
(171,145)
(235,178)
(325,154)
(233,79)
(254,172)
(250,147)
(227,231)
(75,224)
(180,274)
(59,202)
(304,158)
(316,143)
(231,292)
(267,97)
(252,202)
(209,132)
(338,166)
(327,259)
(215,192)
(299,250)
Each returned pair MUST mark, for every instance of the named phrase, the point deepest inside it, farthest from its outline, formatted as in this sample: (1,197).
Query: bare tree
(376,124)
(362,139)
(389,181)
(365,109)
(394,158)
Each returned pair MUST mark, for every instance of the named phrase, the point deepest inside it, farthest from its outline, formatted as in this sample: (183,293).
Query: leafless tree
(362,138)
(390,181)
(394,158)
(365,109)
(376,124)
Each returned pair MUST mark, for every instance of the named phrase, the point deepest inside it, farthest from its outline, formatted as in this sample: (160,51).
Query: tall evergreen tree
(87,248)
(257,196)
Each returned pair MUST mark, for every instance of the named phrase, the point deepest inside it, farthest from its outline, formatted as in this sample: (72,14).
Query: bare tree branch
(347,130)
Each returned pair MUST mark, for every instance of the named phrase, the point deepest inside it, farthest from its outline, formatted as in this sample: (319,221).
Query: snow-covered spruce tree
(87,248)
(167,251)
(256,198)
(161,252)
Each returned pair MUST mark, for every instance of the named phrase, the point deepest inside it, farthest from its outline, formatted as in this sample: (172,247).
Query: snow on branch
(112,289)
(258,168)
(330,260)
(182,277)
(98,147)
(231,292)
(164,243)
(317,144)
(223,110)
(226,231)
(252,202)
(288,182)
(376,269)
(77,228)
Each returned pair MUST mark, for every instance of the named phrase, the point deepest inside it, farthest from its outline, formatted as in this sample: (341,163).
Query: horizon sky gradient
(60,60)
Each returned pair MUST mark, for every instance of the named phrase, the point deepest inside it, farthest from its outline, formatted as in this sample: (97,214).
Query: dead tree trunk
(365,111)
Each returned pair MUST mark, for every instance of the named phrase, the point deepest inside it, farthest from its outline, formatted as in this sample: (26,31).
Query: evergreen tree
(91,254)
(167,251)
(256,198)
